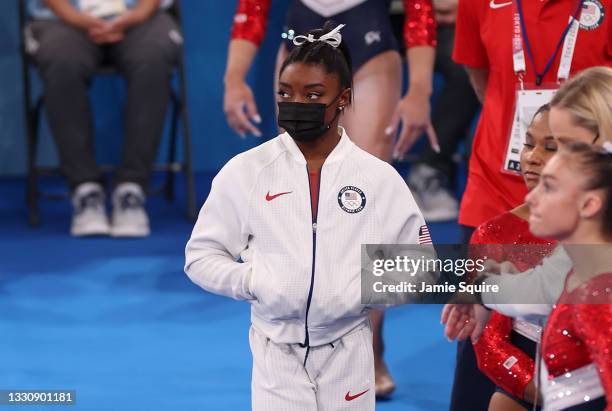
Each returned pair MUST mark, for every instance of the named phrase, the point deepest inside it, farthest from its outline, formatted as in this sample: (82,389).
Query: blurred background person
(68,40)
(378,109)
(433,178)
(488,57)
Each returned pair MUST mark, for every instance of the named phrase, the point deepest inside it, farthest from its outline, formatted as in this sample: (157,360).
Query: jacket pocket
(280,290)
(248,256)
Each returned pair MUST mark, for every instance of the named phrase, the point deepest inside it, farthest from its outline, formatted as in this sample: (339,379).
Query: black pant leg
(472,390)
(146,57)
(455,106)
(67,59)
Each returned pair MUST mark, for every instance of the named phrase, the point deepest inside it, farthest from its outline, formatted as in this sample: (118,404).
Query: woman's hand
(413,111)
(240,108)
(126,20)
(113,31)
(105,35)
(464,320)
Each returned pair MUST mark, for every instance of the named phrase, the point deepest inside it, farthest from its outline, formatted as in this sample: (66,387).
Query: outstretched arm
(248,31)
(414,109)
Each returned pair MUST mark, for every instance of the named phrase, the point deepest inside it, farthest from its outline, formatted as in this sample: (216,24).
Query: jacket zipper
(306,343)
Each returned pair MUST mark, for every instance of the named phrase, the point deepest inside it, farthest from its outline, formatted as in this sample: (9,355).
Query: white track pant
(337,376)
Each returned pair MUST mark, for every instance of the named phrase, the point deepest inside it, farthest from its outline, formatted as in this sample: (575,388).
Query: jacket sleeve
(532,293)
(505,364)
(220,236)
(400,217)
(404,234)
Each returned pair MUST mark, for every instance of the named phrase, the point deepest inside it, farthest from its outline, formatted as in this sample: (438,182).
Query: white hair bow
(333,38)
(607,146)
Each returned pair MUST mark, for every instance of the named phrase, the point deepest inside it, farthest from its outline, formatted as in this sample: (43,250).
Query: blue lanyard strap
(540,75)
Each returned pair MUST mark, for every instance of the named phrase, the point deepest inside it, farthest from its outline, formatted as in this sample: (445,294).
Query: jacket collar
(338,153)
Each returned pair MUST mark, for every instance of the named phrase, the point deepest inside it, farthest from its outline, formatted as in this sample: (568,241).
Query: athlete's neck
(315,152)
(521,212)
(589,260)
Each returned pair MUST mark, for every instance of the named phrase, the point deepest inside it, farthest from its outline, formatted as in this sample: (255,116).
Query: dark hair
(545,108)
(597,164)
(336,60)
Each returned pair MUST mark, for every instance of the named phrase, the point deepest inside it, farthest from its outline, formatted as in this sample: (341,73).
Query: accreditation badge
(102,8)
(528,100)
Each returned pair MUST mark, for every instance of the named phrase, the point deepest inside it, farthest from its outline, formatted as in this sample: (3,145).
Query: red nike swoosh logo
(350,397)
(273,196)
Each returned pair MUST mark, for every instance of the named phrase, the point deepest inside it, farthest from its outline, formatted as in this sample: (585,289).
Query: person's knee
(65,65)
(57,48)
(152,59)
(152,47)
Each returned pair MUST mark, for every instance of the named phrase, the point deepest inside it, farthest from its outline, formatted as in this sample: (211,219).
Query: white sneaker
(436,202)
(129,216)
(89,215)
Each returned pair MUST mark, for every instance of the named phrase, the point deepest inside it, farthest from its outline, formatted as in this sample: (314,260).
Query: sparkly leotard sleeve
(420,23)
(578,335)
(506,238)
(250,20)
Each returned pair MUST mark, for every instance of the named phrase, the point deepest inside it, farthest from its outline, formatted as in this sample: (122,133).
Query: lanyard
(568,40)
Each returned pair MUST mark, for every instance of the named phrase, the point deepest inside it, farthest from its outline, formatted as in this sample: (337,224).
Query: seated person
(68,40)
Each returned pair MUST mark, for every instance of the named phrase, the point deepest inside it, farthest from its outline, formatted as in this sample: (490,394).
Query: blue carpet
(119,322)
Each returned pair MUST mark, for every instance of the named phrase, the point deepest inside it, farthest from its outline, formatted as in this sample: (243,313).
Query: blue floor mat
(120,323)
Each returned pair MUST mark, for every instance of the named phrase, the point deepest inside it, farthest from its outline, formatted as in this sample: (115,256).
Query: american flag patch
(424,237)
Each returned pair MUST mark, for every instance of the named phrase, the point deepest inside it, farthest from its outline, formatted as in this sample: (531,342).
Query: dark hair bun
(336,60)
(328,27)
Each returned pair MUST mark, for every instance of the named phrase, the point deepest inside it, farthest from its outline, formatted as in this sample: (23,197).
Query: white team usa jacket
(256,239)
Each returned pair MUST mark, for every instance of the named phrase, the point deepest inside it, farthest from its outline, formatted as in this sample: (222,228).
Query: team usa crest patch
(592,14)
(351,199)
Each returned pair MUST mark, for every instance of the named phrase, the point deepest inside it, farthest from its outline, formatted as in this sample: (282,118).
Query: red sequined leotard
(507,238)
(577,345)
(419,27)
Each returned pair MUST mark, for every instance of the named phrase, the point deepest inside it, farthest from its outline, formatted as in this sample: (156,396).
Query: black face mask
(304,121)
